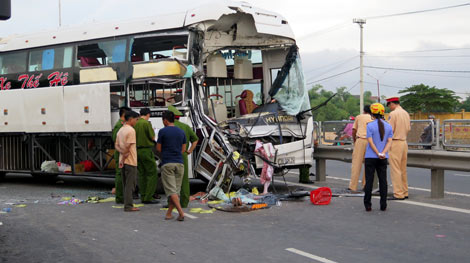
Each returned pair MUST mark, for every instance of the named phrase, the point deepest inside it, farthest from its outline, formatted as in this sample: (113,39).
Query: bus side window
(48,59)
(102,53)
(147,48)
(12,63)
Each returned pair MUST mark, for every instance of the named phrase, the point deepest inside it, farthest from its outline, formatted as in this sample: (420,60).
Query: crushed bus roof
(266,22)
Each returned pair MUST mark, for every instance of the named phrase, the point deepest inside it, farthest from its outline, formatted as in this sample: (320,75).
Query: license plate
(286,160)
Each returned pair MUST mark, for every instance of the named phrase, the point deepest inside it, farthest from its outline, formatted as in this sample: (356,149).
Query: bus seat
(136,58)
(89,61)
(219,107)
(246,104)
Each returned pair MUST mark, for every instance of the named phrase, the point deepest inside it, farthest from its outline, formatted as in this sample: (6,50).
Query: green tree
(428,99)
(340,107)
(465,104)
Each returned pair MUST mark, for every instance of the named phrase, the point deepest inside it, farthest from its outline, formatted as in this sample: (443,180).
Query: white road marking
(445,192)
(463,175)
(311,256)
(186,215)
(339,178)
(304,185)
(409,187)
(448,208)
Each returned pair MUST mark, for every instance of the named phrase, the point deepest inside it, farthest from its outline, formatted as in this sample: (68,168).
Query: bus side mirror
(5,9)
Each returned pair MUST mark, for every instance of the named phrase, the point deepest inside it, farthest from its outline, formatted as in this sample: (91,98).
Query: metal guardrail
(419,128)
(456,133)
(437,161)
(337,133)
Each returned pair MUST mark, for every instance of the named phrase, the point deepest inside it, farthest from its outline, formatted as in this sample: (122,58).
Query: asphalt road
(455,181)
(44,231)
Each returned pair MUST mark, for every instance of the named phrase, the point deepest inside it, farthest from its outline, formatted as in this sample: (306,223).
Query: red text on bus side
(58,78)
(4,85)
(29,81)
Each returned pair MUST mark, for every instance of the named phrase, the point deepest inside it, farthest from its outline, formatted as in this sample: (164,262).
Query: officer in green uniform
(190,137)
(118,178)
(146,166)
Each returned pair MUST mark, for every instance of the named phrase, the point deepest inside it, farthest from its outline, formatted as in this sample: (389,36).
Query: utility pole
(60,15)
(361,23)
(378,86)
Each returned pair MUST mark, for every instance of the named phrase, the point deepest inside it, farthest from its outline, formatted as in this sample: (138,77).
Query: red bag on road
(321,196)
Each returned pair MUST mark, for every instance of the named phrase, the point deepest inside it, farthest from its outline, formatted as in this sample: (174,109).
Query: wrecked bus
(233,70)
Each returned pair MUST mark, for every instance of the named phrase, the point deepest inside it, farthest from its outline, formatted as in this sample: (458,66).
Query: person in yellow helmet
(379,137)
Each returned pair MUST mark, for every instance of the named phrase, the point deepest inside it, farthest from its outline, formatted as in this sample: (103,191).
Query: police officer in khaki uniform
(398,156)
(359,135)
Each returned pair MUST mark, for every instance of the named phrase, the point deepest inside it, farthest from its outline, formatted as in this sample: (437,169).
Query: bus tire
(2,176)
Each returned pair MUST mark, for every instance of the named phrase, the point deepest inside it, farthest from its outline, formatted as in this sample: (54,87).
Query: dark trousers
(379,165)
(129,181)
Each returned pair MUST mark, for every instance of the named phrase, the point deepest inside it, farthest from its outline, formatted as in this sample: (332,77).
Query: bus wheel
(2,175)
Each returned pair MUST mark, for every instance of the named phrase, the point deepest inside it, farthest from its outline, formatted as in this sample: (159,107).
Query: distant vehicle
(60,91)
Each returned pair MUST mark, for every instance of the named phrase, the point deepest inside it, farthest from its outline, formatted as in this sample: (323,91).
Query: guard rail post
(437,138)
(437,183)
(320,170)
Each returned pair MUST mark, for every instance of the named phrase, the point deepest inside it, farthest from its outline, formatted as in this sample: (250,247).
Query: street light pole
(361,23)
(60,15)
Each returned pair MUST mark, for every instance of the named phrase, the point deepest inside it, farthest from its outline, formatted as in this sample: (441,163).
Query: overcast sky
(328,39)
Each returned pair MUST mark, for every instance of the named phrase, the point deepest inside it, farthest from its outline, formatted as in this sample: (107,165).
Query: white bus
(232,69)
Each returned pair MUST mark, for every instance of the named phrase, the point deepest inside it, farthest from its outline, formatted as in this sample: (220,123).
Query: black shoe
(383,208)
(368,209)
(151,202)
(394,198)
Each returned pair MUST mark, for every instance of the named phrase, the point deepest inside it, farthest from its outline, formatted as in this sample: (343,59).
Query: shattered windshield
(289,87)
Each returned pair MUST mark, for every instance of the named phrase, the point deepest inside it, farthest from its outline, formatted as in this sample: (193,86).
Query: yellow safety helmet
(377,108)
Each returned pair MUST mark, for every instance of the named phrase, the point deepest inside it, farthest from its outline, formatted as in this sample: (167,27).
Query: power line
(434,75)
(398,87)
(325,30)
(429,50)
(332,69)
(385,85)
(336,75)
(420,70)
(418,56)
(332,64)
(419,11)
(357,83)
